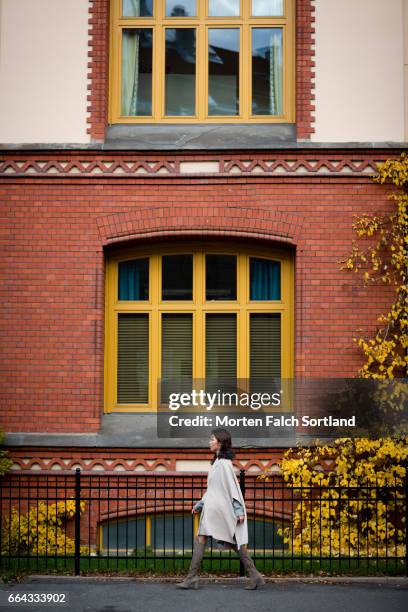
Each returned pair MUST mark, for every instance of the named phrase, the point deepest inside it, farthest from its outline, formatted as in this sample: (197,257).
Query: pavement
(124,594)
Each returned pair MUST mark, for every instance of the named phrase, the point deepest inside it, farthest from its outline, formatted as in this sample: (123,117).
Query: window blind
(177,354)
(221,346)
(133,358)
(177,346)
(265,345)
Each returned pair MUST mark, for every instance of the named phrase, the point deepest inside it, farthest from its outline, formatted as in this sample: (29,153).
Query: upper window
(213,312)
(202,60)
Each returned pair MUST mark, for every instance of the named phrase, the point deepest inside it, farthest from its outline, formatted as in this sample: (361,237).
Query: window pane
(221,277)
(267,73)
(223,71)
(177,346)
(134,279)
(266,8)
(180,71)
(177,277)
(137,8)
(265,279)
(221,347)
(133,358)
(263,534)
(265,349)
(181,8)
(137,72)
(223,8)
(122,534)
(172,531)
(177,354)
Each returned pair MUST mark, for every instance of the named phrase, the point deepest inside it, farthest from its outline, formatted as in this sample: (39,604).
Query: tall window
(202,60)
(209,311)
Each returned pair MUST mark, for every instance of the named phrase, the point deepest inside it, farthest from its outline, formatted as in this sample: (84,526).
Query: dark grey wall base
(199,136)
(133,430)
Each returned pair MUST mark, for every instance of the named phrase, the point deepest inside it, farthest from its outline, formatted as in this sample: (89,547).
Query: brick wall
(98,69)
(52,274)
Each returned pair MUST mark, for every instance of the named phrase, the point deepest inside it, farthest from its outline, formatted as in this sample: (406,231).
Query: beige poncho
(217,516)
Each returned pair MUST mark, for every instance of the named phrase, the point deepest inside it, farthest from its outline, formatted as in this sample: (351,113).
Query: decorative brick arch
(178,221)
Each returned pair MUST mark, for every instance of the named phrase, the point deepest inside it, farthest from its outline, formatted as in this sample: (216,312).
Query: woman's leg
(191,580)
(255,578)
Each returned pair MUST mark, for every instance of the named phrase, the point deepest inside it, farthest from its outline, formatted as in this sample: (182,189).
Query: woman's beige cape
(217,516)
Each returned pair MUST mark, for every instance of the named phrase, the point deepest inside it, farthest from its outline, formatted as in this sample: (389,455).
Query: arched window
(195,311)
(174,532)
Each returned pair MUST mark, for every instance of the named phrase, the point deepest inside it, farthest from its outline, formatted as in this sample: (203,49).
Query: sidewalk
(292,594)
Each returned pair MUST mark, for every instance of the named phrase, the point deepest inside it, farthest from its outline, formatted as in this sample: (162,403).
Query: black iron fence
(81,522)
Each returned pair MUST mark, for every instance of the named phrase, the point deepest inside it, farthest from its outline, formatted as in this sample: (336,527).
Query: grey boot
(255,578)
(191,580)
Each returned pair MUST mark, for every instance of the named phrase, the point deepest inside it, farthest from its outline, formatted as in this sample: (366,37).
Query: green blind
(133,358)
(265,341)
(221,346)
(177,346)
(177,354)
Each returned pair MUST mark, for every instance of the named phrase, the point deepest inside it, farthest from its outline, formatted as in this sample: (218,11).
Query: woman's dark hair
(225,451)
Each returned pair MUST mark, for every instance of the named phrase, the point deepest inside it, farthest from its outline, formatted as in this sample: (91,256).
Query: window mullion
(201,72)
(245,62)
(199,297)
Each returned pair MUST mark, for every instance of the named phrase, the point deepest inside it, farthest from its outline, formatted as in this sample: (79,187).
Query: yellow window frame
(199,307)
(202,22)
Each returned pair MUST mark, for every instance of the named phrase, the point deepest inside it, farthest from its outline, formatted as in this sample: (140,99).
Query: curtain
(275,72)
(265,279)
(130,71)
(131,8)
(129,281)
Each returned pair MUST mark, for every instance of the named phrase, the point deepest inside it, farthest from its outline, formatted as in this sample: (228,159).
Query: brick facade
(98,66)
(56,233)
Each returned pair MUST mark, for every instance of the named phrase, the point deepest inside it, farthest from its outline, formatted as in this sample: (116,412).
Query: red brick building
(86,185)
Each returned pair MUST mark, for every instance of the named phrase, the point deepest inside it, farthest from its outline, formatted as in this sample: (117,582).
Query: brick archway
(256,223)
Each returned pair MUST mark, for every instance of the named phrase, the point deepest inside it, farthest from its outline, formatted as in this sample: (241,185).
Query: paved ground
(127,595)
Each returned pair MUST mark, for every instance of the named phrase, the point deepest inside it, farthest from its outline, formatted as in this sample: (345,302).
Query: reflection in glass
(137,72)
(134,279)
(177,277)
(137,8)
(223,8)
(267,73)
(267,8)
(221,277)
(181,8)
(180,71)
(223,71)
(265,279)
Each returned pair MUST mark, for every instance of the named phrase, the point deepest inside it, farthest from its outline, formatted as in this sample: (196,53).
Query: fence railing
(83,522)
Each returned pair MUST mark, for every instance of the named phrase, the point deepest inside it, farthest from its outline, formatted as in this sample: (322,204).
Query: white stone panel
(43,71)
(190,465)
(359,71)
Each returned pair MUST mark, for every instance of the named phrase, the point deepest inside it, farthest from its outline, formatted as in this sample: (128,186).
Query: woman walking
(223,513)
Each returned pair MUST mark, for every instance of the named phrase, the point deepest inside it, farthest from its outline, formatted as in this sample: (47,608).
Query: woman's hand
(241,519)
(194,511)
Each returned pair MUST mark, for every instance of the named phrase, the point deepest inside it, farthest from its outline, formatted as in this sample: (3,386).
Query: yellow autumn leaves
(385,260)
(357,508)
(41,530)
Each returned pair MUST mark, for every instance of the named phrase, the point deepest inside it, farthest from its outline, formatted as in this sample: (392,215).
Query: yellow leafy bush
(42,530)
(342,511)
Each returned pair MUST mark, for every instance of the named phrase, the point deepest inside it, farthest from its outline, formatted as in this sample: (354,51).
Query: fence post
(242,486)
(77,521)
